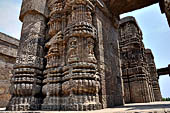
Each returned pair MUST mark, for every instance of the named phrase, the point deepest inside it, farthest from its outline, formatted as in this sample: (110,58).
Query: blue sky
(9,21)
(156,32)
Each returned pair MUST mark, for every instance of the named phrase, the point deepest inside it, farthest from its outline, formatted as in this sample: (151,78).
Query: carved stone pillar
(81,82)
(71,74)
(55,56)
(153,75)
(28,70)
(134,65)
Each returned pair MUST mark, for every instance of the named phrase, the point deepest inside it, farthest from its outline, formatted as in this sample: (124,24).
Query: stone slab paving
(155,107)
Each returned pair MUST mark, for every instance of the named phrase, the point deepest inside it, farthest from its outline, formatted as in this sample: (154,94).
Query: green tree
(166,99)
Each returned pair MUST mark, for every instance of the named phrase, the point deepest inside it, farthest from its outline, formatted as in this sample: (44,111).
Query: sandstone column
(153,75)
(72,80)
(134,66)
(28,70)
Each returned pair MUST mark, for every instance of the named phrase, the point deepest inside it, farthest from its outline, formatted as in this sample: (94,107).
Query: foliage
(166,99)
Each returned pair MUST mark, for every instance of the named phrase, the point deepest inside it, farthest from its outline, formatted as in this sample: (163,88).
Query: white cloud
(9,22)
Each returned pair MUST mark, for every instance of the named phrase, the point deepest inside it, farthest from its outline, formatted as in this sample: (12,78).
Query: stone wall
(8,52)
(109,59)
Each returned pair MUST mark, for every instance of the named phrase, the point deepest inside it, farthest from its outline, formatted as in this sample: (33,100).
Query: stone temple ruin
(77,55)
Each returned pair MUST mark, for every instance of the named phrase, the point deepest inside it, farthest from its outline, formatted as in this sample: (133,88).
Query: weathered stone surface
(8,53)
(109,61)
(153,76)
(69,56)
(164,71)
(124,6)
(138,67)
(8,45)
(26,82)
(33,6)
(73,72)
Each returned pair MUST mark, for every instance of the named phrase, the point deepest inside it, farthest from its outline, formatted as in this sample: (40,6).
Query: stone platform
(156,107)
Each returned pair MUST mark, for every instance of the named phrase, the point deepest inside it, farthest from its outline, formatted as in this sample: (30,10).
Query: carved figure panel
(71,76)
(138,87)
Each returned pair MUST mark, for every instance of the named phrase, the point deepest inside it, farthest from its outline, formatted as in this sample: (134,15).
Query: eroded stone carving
(72,80)
(26,83)
(136,65)
(153,76)
(68,58)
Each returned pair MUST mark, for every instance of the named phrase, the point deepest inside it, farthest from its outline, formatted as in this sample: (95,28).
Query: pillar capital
(33,6)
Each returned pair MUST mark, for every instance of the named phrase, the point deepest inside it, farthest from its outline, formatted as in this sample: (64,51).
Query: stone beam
(124,6)
(164,71)
(169,69)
